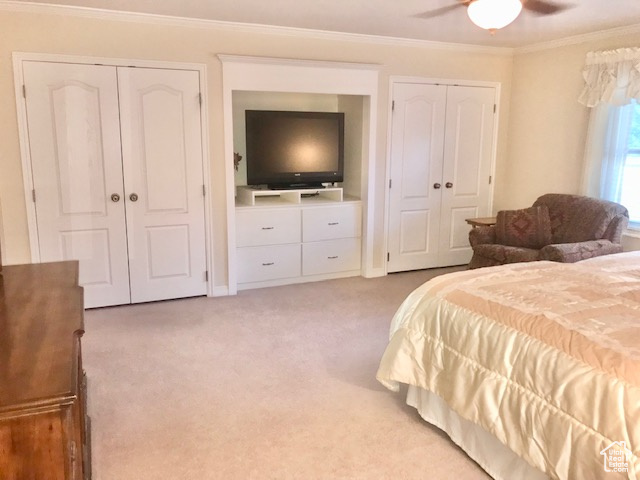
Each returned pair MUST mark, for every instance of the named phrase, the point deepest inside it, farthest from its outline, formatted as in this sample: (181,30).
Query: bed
(533,368)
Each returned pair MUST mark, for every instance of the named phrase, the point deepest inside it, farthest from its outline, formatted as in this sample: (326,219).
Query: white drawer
(256,264)
(326,223)
(331,256)
(267,227)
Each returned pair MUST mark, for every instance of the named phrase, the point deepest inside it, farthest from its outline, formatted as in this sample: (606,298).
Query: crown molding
(225,58)
(122,16)
(578,39)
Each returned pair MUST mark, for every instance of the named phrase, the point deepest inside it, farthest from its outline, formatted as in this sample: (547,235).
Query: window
(612,151)
(630,174)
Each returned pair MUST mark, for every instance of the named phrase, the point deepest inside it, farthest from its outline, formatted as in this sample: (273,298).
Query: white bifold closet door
(76,159)
(116,156)
(417,143)
(441,152)
(162,158)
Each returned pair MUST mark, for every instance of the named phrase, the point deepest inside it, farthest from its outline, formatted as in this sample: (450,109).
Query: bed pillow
(528,228)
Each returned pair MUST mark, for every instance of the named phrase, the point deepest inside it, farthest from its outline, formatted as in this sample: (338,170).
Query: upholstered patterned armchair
(559,227)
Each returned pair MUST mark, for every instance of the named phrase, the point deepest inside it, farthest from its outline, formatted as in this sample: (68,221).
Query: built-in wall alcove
(256,83)
(351,105)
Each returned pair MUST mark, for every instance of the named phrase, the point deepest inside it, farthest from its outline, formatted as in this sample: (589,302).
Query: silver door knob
(448,184)
(436,185)
(133,197)
(115,198)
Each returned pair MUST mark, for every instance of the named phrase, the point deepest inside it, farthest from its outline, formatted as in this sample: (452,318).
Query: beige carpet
(275,383)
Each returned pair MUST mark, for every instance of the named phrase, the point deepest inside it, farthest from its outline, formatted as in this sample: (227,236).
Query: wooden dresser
(43,425)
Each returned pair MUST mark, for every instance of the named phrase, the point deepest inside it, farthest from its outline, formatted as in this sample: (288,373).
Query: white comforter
(545,356)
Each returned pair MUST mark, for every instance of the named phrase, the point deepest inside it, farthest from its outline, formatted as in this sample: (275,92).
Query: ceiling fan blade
(441,11)
(542,7)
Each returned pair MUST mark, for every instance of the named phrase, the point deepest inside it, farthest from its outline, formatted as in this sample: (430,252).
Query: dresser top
(41,314)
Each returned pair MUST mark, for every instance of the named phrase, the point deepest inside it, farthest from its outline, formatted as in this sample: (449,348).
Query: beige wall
(548,127)
(49,33)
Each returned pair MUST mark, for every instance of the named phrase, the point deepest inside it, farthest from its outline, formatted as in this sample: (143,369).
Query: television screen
(294,149)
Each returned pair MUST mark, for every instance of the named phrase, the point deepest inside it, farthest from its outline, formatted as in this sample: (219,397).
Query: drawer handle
(334,223)
(267,228)
(333,258)
(267,264)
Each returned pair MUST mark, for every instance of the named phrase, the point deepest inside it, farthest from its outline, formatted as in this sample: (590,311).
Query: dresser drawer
(267,227)
(326,223)
(256,264)
(331,256)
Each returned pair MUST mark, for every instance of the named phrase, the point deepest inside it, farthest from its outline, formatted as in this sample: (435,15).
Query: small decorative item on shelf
(236,160)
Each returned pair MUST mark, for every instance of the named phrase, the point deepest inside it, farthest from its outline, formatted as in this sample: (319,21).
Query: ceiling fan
(495,14)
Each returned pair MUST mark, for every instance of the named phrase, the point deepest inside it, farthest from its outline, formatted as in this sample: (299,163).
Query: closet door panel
(468,150)
(417,138)
(162,157)
(74,142)
(164,153)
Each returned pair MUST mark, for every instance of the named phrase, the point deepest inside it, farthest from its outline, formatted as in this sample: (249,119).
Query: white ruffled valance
(611,76)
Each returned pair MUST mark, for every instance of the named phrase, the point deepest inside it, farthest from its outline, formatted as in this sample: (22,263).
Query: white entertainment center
(290,236)
(278,237)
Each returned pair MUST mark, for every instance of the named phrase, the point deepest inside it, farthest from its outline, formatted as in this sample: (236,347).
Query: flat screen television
(288,149)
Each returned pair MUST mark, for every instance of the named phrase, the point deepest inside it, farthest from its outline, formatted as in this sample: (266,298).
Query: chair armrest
(574,252)
(482,235)
(615,229)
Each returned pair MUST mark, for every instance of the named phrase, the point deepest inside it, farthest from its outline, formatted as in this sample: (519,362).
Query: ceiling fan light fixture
(493,14)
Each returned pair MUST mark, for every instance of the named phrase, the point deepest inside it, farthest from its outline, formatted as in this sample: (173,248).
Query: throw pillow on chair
(526,228)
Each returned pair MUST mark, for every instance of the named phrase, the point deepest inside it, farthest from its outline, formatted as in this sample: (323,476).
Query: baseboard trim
(222,291)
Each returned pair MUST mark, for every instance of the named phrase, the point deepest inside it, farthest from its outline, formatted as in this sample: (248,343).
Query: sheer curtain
(606,150)
(612,86)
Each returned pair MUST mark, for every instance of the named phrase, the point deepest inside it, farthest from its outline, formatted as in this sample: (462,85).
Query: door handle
(448,184)
(133,197)
(436,186)
(115,198)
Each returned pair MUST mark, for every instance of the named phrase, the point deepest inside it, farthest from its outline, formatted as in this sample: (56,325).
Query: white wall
(631,241)
(548,127)
(74,35)
(354,129)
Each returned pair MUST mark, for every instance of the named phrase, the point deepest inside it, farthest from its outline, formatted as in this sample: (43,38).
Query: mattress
(543,356)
